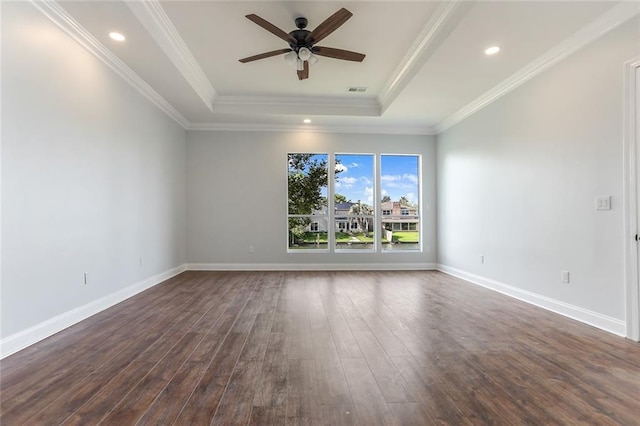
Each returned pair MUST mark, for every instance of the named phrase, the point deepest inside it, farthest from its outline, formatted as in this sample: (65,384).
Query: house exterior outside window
(397,217)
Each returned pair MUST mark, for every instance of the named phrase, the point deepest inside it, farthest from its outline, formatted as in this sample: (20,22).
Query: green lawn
(341,237)
(406,236)
(312,237)
(344,237)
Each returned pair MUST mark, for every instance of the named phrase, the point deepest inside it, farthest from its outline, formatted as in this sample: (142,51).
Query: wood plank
(169,403)
(270,398)
(410,413)
(425,386)
(303,405)
(147,390)
(367,397)
(345,343)
(339,415)
(235,406)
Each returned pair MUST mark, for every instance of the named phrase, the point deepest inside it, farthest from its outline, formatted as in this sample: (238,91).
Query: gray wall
(237,196)
(93,176)
(517,181)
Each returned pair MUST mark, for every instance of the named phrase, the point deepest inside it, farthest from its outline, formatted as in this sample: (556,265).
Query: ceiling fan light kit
(304,53)
(302,42)
(291,58)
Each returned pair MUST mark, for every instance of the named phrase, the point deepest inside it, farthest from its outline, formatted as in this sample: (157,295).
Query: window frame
(331,218)
(419,214)
(349,219)
(312,216)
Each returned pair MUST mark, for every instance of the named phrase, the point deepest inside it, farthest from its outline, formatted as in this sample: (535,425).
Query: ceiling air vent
(357,89)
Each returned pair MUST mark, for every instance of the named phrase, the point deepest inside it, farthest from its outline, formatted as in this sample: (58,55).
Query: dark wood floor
(333,348)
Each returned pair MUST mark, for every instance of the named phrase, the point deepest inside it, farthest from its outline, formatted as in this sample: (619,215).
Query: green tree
(307,177)
(386,199)
(340,198)
(361,211)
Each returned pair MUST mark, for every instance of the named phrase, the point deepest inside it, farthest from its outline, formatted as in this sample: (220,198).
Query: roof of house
(344,206)
(388,205)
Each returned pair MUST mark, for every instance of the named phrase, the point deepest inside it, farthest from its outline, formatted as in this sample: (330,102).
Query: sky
(398,177)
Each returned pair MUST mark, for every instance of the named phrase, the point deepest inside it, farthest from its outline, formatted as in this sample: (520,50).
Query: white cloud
(345,182)
(405,181)
(354,165)
(411,197)
(411,178)
(399,178)
(369,193)
(341,168)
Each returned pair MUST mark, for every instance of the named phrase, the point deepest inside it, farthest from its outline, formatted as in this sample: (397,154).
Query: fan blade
(270,27)
(330,24)
(304,74)
(330,52)
(264,55)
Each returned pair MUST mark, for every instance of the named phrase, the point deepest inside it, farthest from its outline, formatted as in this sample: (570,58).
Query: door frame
(630,173)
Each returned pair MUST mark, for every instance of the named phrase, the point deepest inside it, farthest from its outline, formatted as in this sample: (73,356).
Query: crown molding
(297,105)
(444,19)
(299,128)
(155,20)
(608,21)
(65,22)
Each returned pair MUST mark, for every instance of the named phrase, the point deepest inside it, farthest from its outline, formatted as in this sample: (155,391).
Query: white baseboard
(22,339)
(311,266)
(603,322)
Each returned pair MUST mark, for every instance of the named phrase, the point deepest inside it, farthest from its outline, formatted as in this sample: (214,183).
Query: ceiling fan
(302,43)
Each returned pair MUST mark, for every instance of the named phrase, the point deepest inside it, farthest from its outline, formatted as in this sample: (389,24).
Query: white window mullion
(331,231)
(377,203)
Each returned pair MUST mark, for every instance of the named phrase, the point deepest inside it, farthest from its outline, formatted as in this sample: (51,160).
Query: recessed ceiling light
(306,121)
(492,50)
(117,36)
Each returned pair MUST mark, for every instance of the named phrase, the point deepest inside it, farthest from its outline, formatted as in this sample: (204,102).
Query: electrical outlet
(141,262)
(86,278)
(603,202)
(482,258)
(565,277)
(250,249)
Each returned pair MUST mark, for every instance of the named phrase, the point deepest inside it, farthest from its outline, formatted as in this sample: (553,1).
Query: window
(307,180)
(353,202)
(400,184)
(345,214)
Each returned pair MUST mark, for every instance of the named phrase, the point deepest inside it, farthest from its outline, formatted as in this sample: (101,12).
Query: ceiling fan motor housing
(299,36)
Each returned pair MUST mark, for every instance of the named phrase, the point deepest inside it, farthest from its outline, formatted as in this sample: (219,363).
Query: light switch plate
(603,202)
